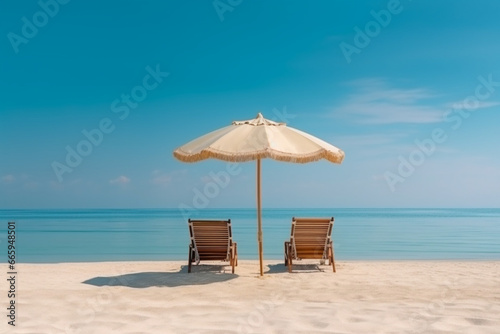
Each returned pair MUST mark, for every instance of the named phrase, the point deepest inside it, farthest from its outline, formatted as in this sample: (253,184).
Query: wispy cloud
(162,178)
(376,146)
(364,140)
(9,178)
(31,185)
(26,181)
(473,106)
(120,180)
(55,185)
(374,102)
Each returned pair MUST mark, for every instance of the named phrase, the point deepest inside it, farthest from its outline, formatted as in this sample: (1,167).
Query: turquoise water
(150,234)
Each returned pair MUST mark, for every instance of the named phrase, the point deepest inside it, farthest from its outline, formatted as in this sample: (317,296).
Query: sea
(90,235)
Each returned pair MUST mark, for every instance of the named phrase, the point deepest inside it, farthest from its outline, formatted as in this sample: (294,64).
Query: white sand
(160,297)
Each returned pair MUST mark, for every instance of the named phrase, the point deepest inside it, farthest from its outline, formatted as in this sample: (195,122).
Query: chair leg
(233,258)
(232,266)
(331,257)
(290,264)
(190,258)
(286,253)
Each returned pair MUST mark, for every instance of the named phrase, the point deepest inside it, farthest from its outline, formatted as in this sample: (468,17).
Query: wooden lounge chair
(211,240)
(310,239)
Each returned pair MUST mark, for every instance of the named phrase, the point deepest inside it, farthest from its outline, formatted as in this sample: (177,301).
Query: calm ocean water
(150,234)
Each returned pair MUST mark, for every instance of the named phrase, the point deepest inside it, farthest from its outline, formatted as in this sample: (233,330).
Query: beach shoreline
(161,297)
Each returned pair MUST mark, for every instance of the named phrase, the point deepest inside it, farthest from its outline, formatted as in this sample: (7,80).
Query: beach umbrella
(258,139)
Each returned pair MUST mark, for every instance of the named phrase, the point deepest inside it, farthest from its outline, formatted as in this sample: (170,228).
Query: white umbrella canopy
(257,139)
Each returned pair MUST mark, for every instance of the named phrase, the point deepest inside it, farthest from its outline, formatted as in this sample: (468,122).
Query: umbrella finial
(259,120)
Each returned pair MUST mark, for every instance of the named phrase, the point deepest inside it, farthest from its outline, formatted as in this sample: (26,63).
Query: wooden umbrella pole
(259,216)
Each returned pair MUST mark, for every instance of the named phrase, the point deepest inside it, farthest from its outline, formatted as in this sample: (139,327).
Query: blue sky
(410,90)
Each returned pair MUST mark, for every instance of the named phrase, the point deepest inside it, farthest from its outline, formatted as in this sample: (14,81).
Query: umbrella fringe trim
(335,157)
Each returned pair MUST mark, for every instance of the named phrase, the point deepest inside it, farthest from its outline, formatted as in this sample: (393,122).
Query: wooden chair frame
(310,238)
(211,240)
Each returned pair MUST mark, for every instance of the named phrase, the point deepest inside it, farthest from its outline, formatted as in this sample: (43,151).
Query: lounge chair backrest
(310,237)
(211,239)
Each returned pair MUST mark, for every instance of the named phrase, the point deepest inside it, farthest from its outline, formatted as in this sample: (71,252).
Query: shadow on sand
(296,268)
(200,275)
